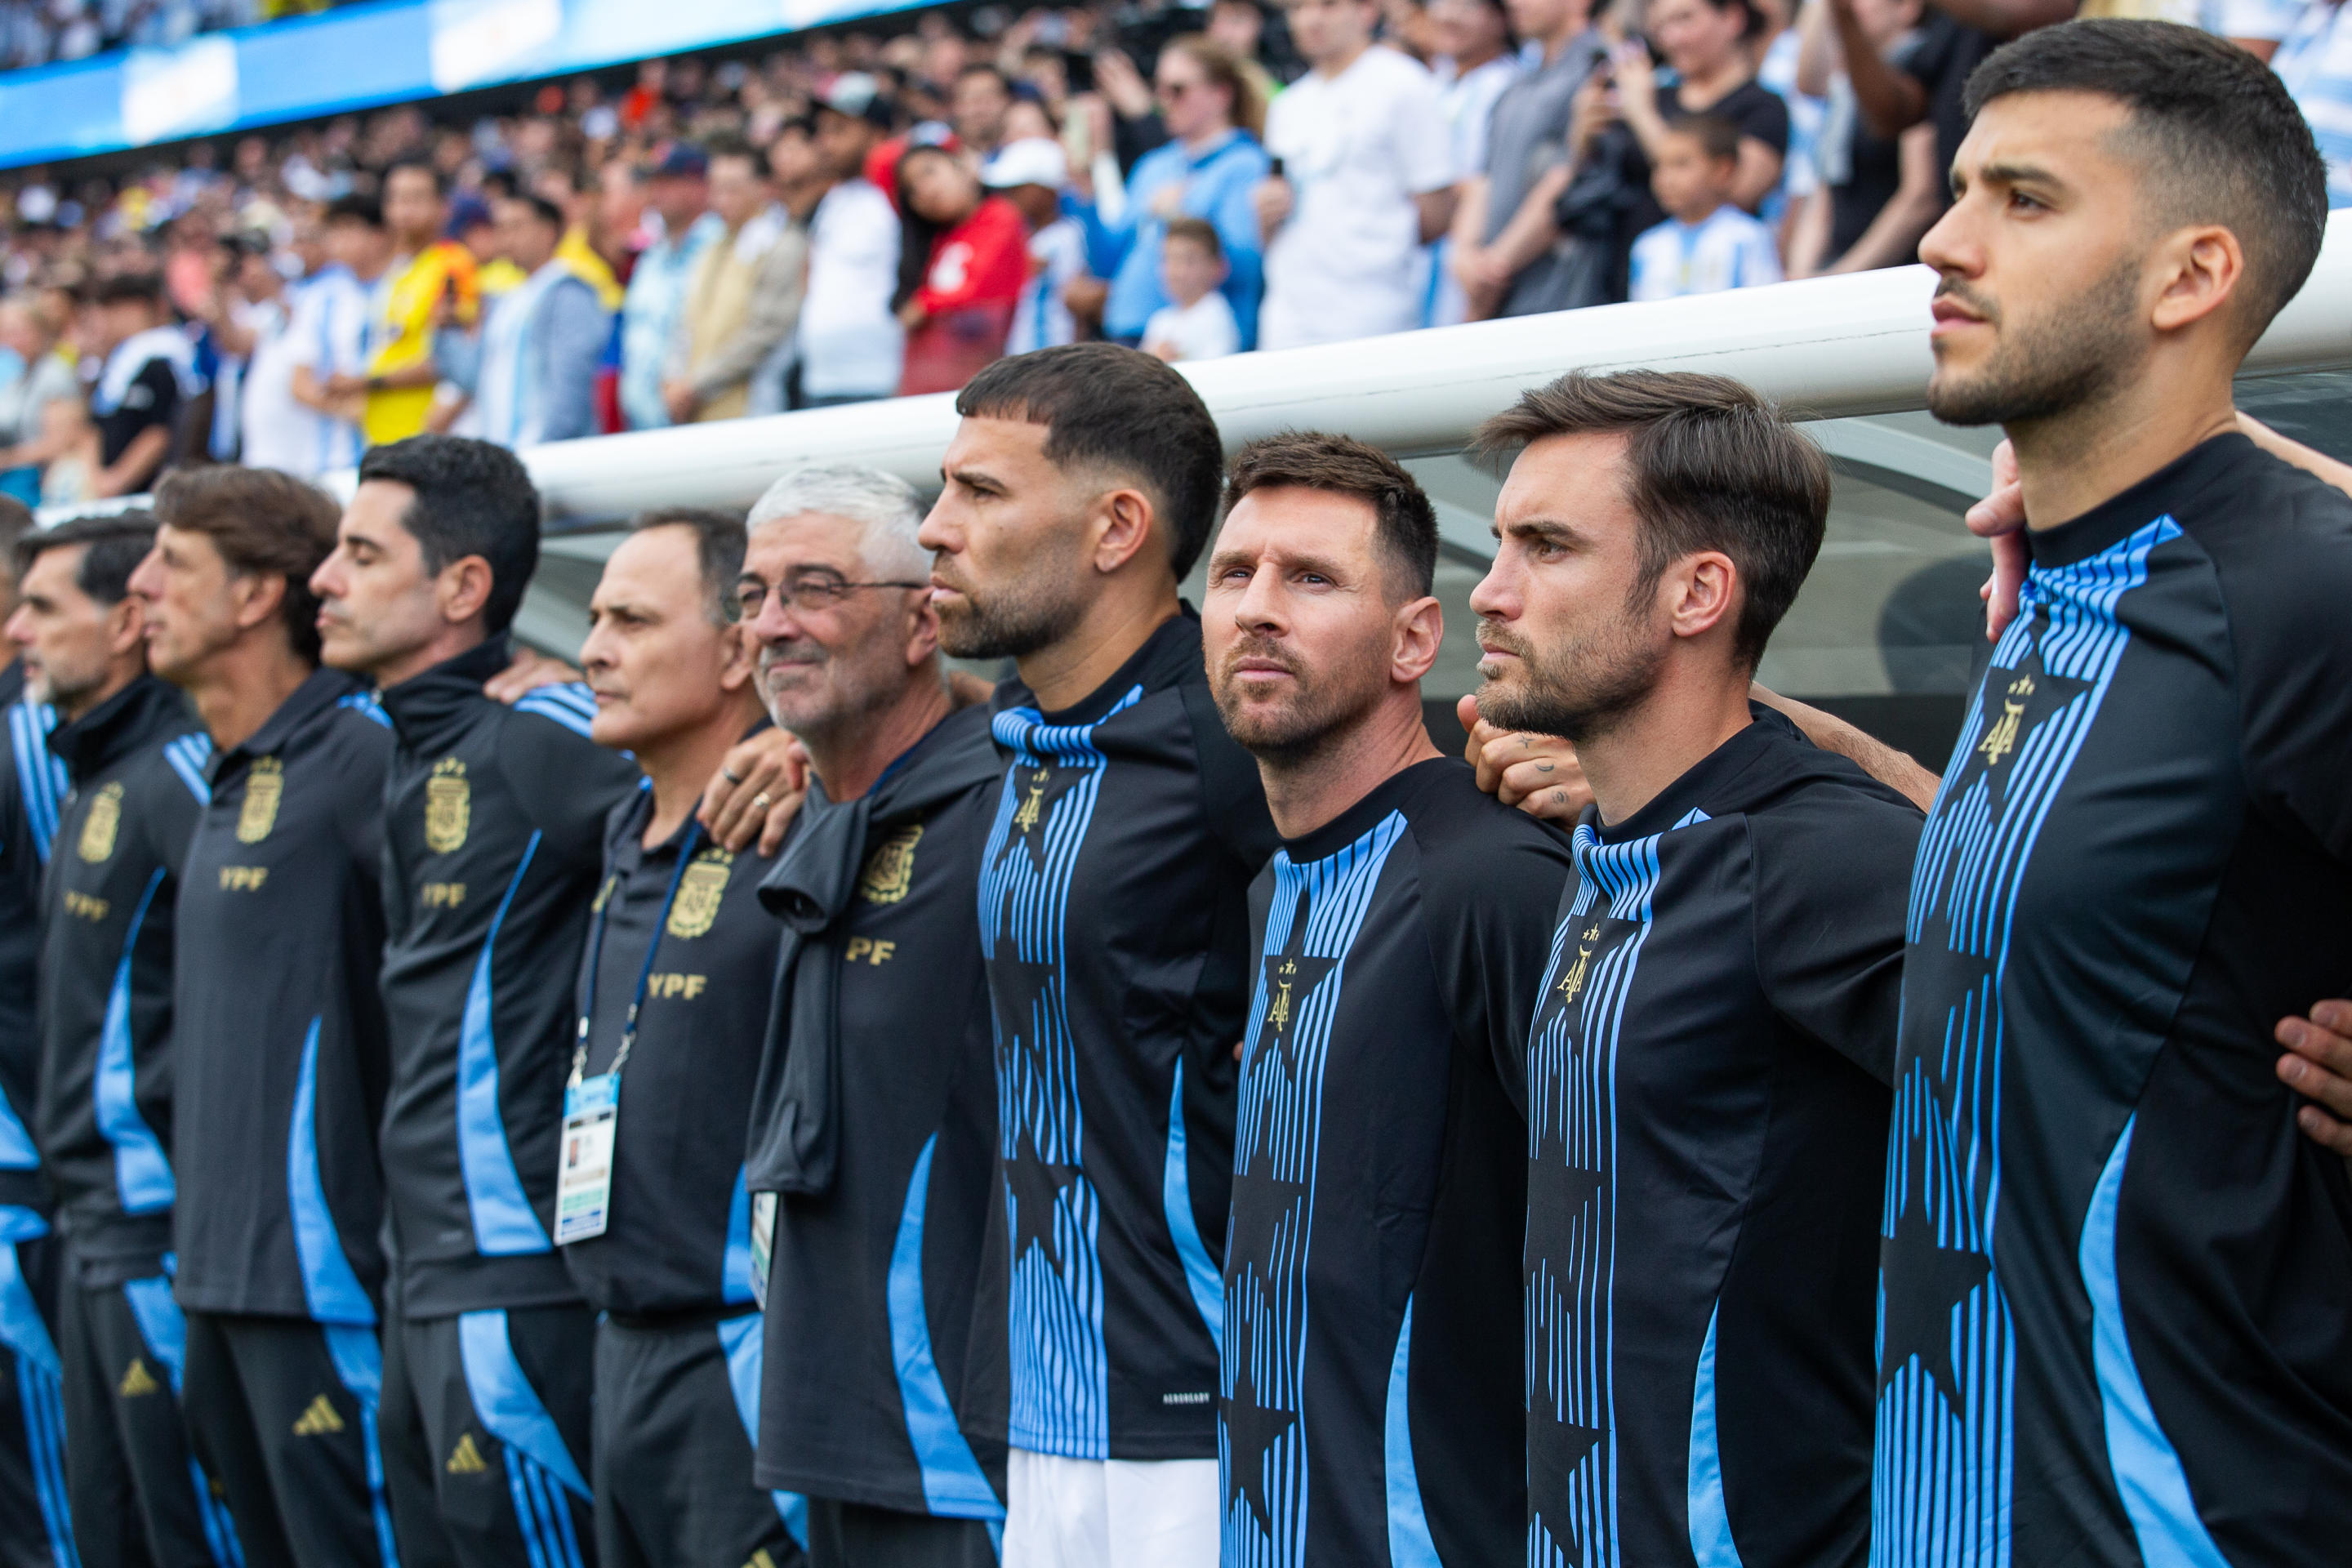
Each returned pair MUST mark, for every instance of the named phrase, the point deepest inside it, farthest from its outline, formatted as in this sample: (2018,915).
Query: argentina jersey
(1112,924)
(2113,1325)
(1368,1388)
(1706,1105)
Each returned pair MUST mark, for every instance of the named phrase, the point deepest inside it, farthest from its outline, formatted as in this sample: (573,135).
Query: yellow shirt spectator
(591,269)
(403,335)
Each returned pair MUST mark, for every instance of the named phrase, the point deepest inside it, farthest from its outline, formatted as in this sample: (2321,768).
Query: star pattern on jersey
(1251,1432)
(2016,703)
(1552,1465)
(1933,1279)
(1034,788)
(1289,978)
(1566,1190)
(1036,1185)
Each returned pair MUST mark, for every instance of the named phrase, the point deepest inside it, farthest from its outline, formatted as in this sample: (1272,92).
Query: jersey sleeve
(1831,883)
(1233,793)
(567,782)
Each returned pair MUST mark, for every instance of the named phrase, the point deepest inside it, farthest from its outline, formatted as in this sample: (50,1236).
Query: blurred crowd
(863,212)
(41,32)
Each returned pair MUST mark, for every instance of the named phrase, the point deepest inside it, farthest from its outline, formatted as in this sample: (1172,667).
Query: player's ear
(1419,627)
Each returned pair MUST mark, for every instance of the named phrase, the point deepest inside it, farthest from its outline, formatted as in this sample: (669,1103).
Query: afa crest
(1573,982)
(890,869)
(265,785)
(448,807)
(699,893)
(1032,806)
(98,829)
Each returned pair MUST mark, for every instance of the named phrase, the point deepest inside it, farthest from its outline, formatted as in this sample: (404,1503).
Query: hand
(912,315)
(342,383)
(1274,199)
(1086,296)
(680,398)
(1168,202)
(1590,115)
(756,792)
(2318,1065)
(1122,84)
(2000,517)
(529,671)
(1538,773)
(1637,81)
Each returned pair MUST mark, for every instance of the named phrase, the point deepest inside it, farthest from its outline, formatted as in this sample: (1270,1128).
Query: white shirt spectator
(2314,61)
(1357,149)
(328,334)
(850,343)
(1205,328)
(1469,100)
(1058,253)
(1727,250)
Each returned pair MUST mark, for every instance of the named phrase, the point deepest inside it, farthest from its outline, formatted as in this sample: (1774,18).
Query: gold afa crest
(99,828)
(890,869)
(699,893)
(448,807)
(265,784)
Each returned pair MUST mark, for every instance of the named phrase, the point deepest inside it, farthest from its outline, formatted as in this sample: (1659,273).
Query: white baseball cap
(1031,161)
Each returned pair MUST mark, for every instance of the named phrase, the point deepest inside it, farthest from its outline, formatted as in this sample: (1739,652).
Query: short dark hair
(719,540)
(1404,523)
(472,498)
(542,209)
(130,288)
(1718,137)
(727,144)
(355,207)
(17,521)
(424,166)
(1122,409)
(982,67)
(2218,132)
(116,544)
(1709,465)
(265,524)
(1200,232)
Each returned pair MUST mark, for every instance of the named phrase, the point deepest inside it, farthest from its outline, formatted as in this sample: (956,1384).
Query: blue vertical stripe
(39,1395)
(1710,1520)
(22,1327)
(953,1483)
(165,1332)
(190,755)
(1410,1546)
(505,1224)
(1200,1276)
(358,1362)
(735,1286)
(143,1175)
(329,1283)
(505,1401)
(741,1338)
(41,779)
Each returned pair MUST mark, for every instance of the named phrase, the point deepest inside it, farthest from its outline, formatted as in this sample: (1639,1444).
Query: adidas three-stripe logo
(320,1420)
(466,1460)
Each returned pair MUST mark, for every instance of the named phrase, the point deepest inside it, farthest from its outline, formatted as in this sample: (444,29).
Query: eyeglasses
(811,592)
(1173,91)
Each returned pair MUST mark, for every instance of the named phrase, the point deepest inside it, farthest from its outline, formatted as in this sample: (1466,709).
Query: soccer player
(873,1167)
(1370,1393)
(1080,489)
(279,1053)
(137,762)
(494,820)
(1706,1082)
(32,1413)
(2115,1271)
(651,1210)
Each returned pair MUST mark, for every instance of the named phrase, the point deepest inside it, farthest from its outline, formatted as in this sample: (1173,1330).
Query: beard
(1579,690)
(814,691)
(2070,358)
(1035,608)
(1300,726)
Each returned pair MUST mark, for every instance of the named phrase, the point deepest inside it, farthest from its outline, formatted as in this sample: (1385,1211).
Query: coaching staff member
(137,762)
(278,1033)
(2114,1273)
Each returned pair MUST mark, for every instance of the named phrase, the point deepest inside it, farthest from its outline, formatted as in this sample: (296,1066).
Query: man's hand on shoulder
(527,672)
(2318,1065)
(2001,518)
(756,792)
(1538,773)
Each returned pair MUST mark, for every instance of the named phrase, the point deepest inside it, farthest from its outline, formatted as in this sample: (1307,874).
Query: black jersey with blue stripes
(1706,1109)
(138,766)
(493,827)
(2114,1273)
(279,1050)
(33,786)
(1370,1390)
(1113,923)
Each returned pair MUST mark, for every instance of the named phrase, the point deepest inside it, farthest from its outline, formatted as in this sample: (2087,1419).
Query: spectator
(678,195)
(796,175)
(2314,61)
(851,345)
(1365,180)
(537,377)
(1197,322)
(1954,39)
(1209,169)
(246,300)
(41,412)
(1706,244)
(1475,64)
(1508,253)
(982,97)
(578,195)
(1875,198)
(330,331)
(744,297)
(1238,27)
(432,289)
(145,373)
(274,429)
(963,257)
(1030,173)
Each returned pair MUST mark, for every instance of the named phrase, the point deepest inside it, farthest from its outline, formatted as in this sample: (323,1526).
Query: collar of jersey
(2195,473)
(1705,784)
(449,691)
(143,711)
(320,693)
(1167,655)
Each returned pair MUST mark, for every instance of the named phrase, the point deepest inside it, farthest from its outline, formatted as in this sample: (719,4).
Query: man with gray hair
(872,1167)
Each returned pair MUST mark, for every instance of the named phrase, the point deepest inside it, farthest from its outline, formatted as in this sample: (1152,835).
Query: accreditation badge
(763,1245)
(583,1183)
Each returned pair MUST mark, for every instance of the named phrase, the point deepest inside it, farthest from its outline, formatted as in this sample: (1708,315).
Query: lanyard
(644,974)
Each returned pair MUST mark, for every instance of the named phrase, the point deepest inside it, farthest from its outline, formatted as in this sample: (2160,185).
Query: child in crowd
(1200,324)
(963,257)
(1706,243)
(1030,173)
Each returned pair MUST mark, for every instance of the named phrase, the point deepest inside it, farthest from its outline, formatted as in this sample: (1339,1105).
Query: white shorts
(1110,1513)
